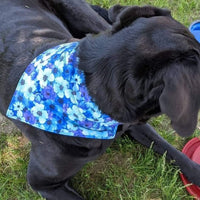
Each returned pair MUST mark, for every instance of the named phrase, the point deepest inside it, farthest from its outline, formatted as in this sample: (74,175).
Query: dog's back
(27,29)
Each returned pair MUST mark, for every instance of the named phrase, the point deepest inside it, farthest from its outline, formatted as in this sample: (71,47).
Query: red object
(192,150)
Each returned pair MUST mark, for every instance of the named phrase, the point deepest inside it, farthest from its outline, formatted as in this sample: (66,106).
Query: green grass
(127,171)
(14,156)
(184,11)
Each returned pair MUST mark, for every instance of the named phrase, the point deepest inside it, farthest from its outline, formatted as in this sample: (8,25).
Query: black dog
(145,65)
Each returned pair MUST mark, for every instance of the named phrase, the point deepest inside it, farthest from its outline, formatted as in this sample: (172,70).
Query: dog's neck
(110,78)
(103,77)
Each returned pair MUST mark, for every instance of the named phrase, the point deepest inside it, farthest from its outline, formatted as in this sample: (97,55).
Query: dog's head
(154,63)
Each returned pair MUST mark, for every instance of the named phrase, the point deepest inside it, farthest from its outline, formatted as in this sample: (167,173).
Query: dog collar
(52,95)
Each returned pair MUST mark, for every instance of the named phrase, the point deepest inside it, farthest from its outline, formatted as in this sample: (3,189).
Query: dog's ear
(180,99)
(114,11)
(124,16)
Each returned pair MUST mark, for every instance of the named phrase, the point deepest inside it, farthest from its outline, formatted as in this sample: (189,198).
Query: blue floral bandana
(51,95)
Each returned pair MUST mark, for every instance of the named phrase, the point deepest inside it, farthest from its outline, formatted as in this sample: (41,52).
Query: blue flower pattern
(51,95)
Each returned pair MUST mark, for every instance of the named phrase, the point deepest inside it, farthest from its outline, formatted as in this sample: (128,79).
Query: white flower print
(41,62)
(75,113)
(67,55)
(51,95)
(69,95)
(30,87)
(18,106)
(19,114)
(77,79)
(39,112)
(71,127)
(10,113)
(60,86)
(66,132)
(59,64)
(45,76)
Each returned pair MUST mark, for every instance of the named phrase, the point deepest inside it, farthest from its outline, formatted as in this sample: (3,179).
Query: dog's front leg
(50,171)
(77,15)
(55,159)
(146,135)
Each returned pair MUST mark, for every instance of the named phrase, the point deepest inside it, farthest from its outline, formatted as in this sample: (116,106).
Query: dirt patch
(6,126)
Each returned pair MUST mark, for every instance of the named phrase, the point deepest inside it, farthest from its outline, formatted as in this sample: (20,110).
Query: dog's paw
(192,172)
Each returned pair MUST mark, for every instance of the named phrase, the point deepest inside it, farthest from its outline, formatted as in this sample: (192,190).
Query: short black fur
(144,65)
